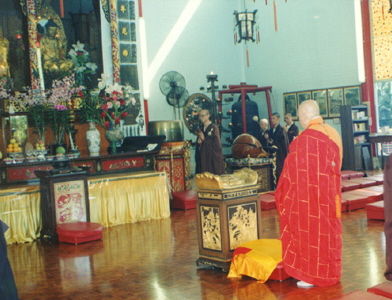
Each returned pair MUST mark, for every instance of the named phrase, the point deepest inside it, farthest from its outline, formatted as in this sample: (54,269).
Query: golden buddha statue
(53,51)
(4,49)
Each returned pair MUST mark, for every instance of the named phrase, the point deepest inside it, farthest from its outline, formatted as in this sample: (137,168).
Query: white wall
(205,45)
(313,48)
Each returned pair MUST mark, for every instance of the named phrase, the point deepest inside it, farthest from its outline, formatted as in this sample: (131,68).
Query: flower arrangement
(108,106)
(58,98)
(83,65)
(35,103)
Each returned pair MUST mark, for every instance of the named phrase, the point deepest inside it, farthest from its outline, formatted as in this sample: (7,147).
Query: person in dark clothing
(252,118)
(292,129)
(263,130)
(209,156)
(388,216)
(8,289)
(277,136)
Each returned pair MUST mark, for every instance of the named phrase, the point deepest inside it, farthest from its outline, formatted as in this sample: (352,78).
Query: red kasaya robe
(308,199)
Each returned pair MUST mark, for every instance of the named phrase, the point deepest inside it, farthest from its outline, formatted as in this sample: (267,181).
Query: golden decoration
(125,52)
(123,9)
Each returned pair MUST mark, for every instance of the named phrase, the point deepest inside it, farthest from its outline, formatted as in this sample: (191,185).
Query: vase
(115,136)
(93,138)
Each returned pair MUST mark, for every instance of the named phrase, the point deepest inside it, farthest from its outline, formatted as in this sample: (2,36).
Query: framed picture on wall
(352,95)
(303,96)
(290,104)
(335,100)
(320,96)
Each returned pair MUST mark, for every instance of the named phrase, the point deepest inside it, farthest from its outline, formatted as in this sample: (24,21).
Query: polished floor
(156,260)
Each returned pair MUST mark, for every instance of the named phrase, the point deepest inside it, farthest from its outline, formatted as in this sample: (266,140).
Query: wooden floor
(156,260)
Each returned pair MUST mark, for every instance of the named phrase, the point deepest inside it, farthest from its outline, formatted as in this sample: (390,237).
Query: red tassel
(275,17)
(235,38)
(266,2)
(247,57)
(62,8)
(258,36)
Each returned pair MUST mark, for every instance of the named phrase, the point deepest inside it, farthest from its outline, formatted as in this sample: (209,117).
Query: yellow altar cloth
(20,210)
(113,201)
(131,198)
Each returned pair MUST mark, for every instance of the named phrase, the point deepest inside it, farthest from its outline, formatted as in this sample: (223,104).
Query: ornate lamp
(245,22)
(245,25)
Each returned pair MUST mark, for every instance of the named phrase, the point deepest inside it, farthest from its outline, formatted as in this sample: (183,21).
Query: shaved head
(307,111)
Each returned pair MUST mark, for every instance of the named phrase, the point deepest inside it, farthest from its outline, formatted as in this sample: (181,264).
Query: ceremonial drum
(244,145)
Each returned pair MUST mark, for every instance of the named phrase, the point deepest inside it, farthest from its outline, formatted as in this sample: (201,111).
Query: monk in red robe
(308,198)
(209,156)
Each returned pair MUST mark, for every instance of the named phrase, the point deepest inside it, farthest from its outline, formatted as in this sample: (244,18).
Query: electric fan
(172,85)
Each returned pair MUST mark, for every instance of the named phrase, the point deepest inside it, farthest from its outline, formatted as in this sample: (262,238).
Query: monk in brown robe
(388,216)
(308,199)
(209,156)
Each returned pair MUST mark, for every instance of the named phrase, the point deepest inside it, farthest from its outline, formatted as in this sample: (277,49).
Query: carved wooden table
(225,219)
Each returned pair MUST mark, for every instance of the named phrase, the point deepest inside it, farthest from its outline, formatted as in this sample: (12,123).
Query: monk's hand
(200,137)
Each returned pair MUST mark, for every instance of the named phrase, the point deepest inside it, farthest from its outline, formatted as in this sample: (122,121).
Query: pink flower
(107,124)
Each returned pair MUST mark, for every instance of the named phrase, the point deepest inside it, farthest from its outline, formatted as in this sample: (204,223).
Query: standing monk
(277,136)
(292,129)
(209,156)
(308,198)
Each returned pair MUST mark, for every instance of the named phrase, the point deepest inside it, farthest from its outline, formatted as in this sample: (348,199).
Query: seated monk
(53,51)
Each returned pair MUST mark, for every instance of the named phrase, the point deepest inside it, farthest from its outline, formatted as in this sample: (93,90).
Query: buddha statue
(4,50)
(53,51)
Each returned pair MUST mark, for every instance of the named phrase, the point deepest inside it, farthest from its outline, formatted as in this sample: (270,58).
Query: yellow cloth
(113,200)
(256,259)
(20,210)
(127,199)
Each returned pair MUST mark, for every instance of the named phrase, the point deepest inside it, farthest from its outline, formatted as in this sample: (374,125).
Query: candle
(71,141)
(39,63)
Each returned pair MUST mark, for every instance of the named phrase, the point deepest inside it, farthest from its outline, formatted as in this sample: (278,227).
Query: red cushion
(355,201)
(347,174)
(364,182)
(344,205)
(372,195)
(377,188)
(79,232)
(348,185)
(377,178)
(361,295)
(375,211)
(279,273)
(184,200)
(267,201)
(382,289)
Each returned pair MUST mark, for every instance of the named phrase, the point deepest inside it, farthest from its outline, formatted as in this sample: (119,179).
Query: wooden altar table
(114,200)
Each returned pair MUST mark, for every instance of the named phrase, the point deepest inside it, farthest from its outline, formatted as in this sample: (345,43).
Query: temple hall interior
(134,161)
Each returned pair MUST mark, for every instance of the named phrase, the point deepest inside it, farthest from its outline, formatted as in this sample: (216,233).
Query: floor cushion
(267,201)
(375,211)
(184,200)
(79,232)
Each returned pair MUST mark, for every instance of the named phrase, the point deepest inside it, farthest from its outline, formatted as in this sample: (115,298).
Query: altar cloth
(114,200)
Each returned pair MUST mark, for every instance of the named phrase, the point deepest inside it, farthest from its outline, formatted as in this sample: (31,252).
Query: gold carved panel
(210,228)
(242,220)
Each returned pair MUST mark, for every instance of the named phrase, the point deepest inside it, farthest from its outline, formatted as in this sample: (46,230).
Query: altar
(114,200)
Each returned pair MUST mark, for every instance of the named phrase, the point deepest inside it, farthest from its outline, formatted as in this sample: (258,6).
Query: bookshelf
(355,137)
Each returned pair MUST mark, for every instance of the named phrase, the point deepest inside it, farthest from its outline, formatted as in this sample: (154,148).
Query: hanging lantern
(245,22)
